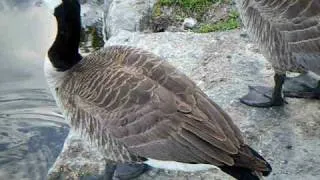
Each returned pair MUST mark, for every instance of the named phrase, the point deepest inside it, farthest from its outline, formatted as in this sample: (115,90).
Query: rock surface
(223,65)
(91,12)
(77,159)
(80,160)
(130,15)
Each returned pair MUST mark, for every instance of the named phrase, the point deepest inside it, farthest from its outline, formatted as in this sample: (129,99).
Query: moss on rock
(231,22)
(212,15)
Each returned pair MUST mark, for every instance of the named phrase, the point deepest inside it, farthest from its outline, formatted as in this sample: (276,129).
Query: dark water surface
(32,130)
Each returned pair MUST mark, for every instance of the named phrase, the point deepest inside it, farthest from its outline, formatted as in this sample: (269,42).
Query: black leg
(109,171)
(125,171)
(302,86)
(260,96)
(107,175)
(277,97)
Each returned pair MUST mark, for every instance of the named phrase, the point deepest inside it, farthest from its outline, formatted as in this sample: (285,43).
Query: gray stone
(223,65)
(91,12)
(189,23)
(78,158)
(130,15)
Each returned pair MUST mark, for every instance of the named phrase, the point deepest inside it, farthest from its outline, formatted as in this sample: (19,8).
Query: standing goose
(140,109)
(288,33)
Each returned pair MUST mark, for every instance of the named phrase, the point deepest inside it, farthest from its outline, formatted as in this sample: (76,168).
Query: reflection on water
(31,136)
(32,130)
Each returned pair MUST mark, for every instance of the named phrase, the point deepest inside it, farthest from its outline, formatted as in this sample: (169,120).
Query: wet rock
(80,160)
(77,160)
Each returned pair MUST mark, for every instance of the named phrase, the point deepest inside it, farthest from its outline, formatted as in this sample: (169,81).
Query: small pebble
(189,23)
(289,146)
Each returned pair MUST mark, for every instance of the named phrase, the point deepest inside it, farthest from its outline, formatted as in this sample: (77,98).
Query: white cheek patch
(52,4)
(54,77)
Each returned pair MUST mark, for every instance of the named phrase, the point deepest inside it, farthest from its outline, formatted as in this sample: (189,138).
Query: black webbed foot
(120,172)
(129,171)
(260,96)
(302,86)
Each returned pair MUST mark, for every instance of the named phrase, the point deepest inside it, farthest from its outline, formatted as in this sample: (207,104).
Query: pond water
(32,130)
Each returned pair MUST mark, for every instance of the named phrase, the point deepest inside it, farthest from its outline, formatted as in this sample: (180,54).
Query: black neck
(64,52)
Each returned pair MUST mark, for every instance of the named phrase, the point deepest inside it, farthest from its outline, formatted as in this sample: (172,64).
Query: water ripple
(32,132)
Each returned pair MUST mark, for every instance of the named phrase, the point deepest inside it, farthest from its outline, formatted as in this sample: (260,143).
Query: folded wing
(154,111)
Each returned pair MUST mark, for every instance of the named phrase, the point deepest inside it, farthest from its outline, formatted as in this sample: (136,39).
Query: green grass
(192,5)
(97,41)
(188,7)
(232,22)
(197,9)
(157,10)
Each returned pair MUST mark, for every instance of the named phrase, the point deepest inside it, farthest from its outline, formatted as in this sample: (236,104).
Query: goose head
(64,52)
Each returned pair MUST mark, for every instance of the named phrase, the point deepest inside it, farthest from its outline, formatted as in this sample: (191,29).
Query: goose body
(288,33)
(140,109)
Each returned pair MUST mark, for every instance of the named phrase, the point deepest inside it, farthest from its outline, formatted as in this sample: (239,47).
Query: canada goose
(288,33)
(140,109)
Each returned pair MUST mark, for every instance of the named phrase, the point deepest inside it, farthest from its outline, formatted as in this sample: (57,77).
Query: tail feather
(249,165)
(268,168)
(240,173)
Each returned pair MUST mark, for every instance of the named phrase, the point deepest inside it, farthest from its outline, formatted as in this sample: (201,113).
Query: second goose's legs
(260,96)
(302,86)
(125,171)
